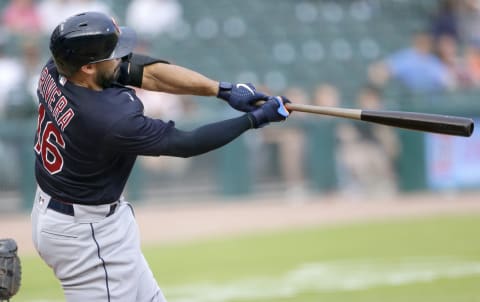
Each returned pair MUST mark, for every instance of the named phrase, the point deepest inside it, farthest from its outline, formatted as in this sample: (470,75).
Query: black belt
(67,208)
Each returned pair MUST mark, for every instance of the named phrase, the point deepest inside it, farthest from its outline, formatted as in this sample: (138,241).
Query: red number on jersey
(51,157)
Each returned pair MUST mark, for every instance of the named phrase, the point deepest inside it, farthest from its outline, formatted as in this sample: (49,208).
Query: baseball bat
(427,122)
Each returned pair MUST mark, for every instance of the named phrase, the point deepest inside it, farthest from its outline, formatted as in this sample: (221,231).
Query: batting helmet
(89,37)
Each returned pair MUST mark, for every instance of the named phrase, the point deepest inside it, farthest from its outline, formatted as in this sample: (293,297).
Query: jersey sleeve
(131,70)
(138,134)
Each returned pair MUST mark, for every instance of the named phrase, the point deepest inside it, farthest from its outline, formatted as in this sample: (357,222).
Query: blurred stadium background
(323,52)
(350,53)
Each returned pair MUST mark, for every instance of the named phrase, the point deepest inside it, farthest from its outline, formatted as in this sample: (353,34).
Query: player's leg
(129,274)
(148,285)
(117,245)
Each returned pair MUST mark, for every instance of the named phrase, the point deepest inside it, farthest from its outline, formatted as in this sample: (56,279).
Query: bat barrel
(435,123)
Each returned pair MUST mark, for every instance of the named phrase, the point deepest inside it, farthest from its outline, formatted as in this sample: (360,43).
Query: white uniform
(95,257)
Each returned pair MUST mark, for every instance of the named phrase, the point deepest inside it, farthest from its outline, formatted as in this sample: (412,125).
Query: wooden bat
(436,123)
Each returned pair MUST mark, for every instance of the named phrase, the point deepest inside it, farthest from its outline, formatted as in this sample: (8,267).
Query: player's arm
(175,79)
(145,136)
(158,75)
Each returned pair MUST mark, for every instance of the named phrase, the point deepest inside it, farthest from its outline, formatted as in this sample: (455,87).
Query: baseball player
(91,128)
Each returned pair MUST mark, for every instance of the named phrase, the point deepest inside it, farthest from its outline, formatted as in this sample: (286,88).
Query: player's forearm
(205,138)
(175,79)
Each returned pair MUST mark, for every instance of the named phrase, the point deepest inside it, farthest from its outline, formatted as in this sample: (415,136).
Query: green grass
(224,261)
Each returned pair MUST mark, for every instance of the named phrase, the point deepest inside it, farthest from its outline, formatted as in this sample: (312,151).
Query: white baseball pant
(95,257)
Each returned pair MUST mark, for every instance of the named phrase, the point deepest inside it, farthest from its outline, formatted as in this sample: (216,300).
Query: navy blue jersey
(87,141)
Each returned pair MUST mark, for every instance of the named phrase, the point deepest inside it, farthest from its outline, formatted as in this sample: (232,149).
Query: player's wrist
(252,120)
(224,90)
(258,118)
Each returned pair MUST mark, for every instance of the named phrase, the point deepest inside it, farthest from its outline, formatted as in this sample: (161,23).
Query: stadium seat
(327,40)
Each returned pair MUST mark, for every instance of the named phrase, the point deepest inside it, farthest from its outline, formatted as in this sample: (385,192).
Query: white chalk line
(327,277)
(322,277)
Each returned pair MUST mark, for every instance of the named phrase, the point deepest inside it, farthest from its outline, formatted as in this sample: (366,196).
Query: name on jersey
(56,102)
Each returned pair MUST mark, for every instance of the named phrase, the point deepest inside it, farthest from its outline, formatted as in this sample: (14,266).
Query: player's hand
(273,110)
(240,96)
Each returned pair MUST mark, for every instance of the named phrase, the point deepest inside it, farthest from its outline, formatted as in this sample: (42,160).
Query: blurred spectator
(469,21)
(21,17)
(32,63)
(53,12)
(10,79)
(11,76)
(22,99)
(447,51)
(472,62)
(297,95)
(289,141)
(322,149)
(326,95)
(445,20)
(367,152)
(153,17)
(415,67)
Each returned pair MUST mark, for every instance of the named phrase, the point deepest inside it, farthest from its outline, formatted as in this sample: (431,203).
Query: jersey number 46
(47,141)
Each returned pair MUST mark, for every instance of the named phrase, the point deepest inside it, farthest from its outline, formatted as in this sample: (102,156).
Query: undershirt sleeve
(142,135)
(205,138)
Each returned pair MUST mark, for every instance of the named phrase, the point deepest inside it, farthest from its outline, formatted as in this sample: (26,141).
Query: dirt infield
(183,220)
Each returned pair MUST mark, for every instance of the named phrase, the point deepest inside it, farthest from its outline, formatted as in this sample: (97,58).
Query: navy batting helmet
(89,37)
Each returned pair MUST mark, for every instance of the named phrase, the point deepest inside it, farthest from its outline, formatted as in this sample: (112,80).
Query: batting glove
(240,96)
(273,110)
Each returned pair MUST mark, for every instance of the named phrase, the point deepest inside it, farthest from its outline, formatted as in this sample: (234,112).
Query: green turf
(270,255)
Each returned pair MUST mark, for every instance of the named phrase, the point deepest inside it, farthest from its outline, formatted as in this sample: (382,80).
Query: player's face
(107,72)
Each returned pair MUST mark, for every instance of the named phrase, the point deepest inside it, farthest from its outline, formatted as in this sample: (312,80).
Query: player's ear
(88,68)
